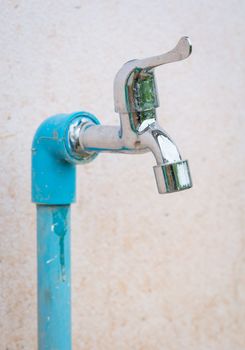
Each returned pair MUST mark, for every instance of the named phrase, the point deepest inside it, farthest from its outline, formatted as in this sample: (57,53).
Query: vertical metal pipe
(54,277)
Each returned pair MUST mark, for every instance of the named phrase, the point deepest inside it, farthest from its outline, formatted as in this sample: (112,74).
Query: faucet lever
(180,52)
(134,84)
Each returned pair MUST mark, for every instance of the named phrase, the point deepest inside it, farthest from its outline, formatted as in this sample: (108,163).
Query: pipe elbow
(54,161)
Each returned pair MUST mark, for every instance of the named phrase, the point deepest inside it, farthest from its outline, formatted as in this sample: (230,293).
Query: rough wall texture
(150,272)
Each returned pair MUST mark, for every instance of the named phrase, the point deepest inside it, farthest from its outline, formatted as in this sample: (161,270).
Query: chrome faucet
(136,100)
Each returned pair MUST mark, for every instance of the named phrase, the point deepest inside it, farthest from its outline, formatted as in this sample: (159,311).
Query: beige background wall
(150,272)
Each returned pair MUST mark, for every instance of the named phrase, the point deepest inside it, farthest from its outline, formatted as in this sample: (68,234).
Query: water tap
(136,100)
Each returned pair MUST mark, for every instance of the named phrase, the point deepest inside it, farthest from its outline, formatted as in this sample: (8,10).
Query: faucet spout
(171,172)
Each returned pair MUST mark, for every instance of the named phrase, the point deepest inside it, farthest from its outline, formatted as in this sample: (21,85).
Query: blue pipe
(53,190)
(54,277)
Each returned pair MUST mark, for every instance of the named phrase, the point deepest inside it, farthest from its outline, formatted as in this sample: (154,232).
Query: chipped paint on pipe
(54,277)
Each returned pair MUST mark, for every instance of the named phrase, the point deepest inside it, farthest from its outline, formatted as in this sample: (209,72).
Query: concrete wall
(150,272)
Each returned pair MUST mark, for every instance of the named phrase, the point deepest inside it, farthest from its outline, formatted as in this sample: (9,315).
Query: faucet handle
(180,52)
(134,85)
